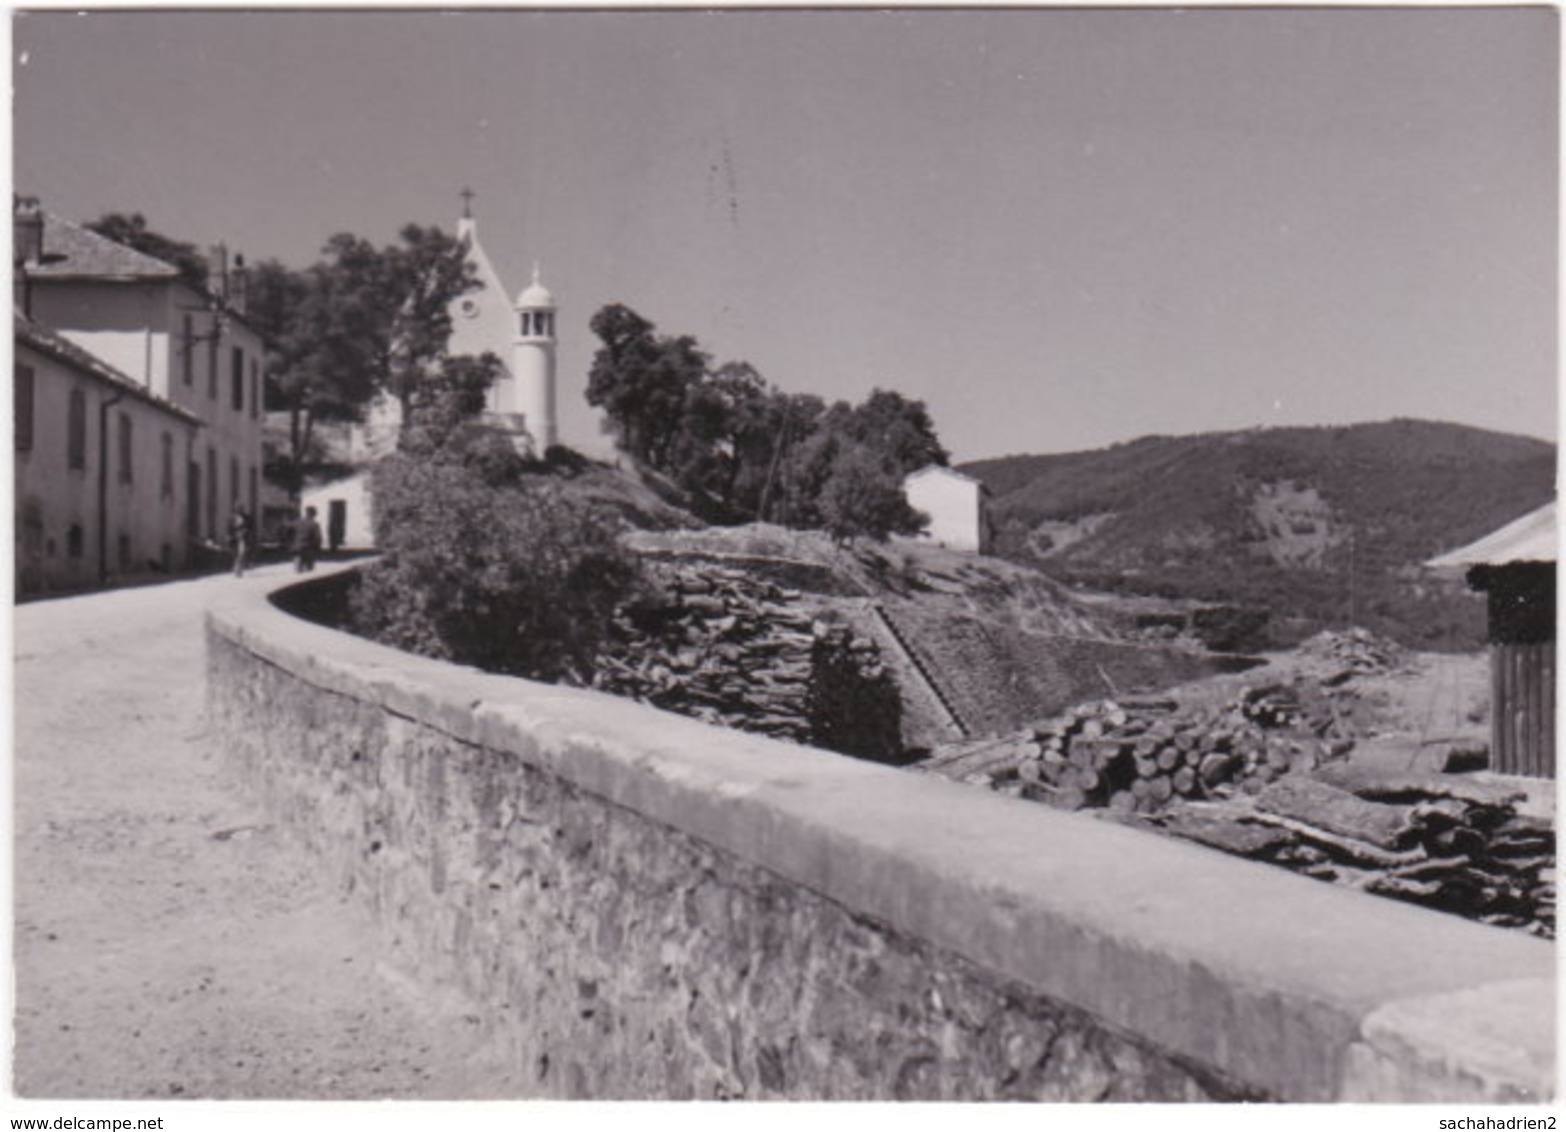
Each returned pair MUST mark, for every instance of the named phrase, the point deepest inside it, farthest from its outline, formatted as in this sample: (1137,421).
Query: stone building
(958,507)
(102,488)
(185,345)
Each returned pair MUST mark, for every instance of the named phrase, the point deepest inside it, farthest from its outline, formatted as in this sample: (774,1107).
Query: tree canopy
(749,450)
(360,322)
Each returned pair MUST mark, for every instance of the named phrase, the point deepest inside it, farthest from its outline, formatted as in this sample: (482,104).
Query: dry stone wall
(646,906)
(623,959)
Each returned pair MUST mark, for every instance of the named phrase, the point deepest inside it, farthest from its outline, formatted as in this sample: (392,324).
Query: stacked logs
(1263,777)
(1137,756)
(1437,840)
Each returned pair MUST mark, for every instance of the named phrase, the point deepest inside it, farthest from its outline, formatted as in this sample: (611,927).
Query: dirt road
(168,942)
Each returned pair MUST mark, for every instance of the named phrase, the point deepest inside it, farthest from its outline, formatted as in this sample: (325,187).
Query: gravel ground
(167,941)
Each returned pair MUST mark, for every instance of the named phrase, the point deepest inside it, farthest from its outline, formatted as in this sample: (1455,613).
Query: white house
(184,345)
(958,507)
(101,487)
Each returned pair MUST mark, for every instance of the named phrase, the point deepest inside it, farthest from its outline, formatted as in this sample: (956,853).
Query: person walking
(307,541)
(241,538)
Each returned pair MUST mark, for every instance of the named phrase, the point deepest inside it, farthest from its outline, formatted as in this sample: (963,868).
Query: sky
(1059,228)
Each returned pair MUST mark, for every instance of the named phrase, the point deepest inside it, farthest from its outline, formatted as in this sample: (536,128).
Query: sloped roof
(1531,538)
(73,252)
(46,341)
(932,469)
(949,473)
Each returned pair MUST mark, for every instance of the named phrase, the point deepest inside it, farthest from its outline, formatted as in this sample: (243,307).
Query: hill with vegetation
(1321,527)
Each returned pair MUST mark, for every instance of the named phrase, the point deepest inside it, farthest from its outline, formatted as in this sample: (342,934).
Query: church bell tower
(533,363)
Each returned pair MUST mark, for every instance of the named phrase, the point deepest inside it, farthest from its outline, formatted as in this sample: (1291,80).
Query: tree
(285,306)
(758,452)
(898,428)
(360,322)
(863,496)
(132,231)
(384,321)
(641,380)
(426,273)
(449,400)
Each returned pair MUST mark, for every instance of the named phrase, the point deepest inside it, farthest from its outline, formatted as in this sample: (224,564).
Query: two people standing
(306,545)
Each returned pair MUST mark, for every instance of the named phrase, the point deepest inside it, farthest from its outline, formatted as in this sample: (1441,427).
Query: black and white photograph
(749,554)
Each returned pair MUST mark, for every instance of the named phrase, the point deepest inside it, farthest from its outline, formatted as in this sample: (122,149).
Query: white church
(520,403)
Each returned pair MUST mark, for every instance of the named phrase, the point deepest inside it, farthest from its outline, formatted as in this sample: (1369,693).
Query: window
(212,492)
(212,363)
(255,388)
(188,350)
(166,484)
(233,481)
(125,552)
(239,379)
(73,541)
(76,431)
(23,390)
(125,448)
(192,498)
(254,491)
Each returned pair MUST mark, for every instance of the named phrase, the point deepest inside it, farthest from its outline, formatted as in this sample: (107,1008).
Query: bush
(487,566)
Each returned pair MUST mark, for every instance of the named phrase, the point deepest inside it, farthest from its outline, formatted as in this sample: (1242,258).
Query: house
(958,507)
(101,489)
(185,345)
(1515,568)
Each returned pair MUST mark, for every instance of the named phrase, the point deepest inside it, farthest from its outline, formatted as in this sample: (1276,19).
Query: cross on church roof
(467,196)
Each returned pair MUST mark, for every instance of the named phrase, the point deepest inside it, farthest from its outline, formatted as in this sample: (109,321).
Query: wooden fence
(1522,685)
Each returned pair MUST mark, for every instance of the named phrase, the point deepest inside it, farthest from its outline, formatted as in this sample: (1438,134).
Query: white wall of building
(161,334)
(56,505)
(956,506)
(353,496)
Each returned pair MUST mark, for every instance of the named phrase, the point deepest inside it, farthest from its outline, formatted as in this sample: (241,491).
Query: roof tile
(70,250)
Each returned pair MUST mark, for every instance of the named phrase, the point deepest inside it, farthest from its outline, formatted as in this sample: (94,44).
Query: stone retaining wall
(646,906)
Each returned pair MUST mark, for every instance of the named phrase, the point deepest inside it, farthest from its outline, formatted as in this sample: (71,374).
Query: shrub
(487,566)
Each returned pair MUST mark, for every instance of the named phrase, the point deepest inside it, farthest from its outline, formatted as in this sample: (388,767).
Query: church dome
(536,294)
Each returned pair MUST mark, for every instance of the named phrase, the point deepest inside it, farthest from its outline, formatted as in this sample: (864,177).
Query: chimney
(238,285)
(27,224)
(217,270)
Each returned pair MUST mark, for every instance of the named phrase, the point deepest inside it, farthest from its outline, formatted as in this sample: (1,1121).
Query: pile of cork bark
(1139,755)
(728,648)
(1353,652)
(1443,841)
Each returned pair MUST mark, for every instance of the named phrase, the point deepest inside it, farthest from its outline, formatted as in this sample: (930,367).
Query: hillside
(976,646)
(1321,526)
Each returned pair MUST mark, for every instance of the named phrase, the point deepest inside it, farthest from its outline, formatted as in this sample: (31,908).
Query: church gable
(483,319)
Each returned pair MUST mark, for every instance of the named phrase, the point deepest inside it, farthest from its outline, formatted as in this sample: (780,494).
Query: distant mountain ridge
(1323,526)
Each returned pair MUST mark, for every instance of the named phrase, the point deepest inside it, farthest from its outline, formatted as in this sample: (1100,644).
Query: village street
(168,942)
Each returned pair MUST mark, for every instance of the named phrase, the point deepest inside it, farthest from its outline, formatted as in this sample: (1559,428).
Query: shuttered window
(23,388)
(76,431)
